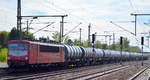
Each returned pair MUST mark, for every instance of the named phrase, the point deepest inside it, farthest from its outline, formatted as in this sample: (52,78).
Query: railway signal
(121,46)
(89,32)
(142,43)
(121,40)
(93,38)
(142,40)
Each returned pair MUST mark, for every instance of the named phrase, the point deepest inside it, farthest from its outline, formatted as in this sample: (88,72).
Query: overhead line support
(19,19)
(134,14)
(36,16)
(89,32)
(61,23)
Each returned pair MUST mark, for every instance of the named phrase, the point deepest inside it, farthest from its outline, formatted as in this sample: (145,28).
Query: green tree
(126,46)
(85,43)
(13,35)
(3,38)
(98,44)
(56,37)
(76,43)
(126,43)
(104,46)
(112,47)
(42,39)
(66,38)
(134,49)
(27,36)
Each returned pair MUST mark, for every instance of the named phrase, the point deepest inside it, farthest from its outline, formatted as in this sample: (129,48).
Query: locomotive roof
(33,42)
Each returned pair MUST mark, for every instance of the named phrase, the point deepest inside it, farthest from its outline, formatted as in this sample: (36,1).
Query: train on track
(30,53)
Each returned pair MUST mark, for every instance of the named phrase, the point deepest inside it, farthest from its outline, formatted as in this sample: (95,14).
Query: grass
(3,55)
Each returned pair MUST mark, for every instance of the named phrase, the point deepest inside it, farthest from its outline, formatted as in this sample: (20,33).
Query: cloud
(7,19)
(98,13)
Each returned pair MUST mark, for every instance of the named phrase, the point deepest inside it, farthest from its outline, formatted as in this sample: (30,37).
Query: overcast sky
(97,12)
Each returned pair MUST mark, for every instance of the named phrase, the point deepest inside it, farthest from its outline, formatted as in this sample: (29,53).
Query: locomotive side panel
(33,53)
(50,54)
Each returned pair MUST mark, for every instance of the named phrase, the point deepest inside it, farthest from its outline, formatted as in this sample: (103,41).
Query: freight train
(30,53)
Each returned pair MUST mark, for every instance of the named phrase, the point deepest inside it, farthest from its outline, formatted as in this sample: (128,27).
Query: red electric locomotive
(25,53)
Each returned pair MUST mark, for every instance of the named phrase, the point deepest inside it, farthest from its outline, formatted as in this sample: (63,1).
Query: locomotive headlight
(26,58)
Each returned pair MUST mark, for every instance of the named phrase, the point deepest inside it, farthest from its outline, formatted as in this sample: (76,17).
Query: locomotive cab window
(44,48)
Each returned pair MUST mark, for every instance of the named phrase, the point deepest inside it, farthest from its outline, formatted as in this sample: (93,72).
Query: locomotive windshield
(17,49)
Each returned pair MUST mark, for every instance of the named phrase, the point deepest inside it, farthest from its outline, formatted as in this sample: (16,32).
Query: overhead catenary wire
(44,27)
(72,29)
(64,11)
(138,41)
(131,4)
(74,16)
(122,28)
(40,30)
(68,12)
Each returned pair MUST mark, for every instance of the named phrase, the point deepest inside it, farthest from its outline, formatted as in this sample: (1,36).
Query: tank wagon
(29,53)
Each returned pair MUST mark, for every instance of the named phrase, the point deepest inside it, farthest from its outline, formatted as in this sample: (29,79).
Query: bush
(3,54)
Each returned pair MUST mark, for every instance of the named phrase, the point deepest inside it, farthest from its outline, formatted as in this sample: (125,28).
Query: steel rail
(98,74)
(139,73)
(55,72)
(49,74)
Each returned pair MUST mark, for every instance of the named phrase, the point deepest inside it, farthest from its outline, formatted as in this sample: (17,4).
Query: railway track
(98,73)
(134,77)
(3,72)
(10,72)
(87,72)
(54,73)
